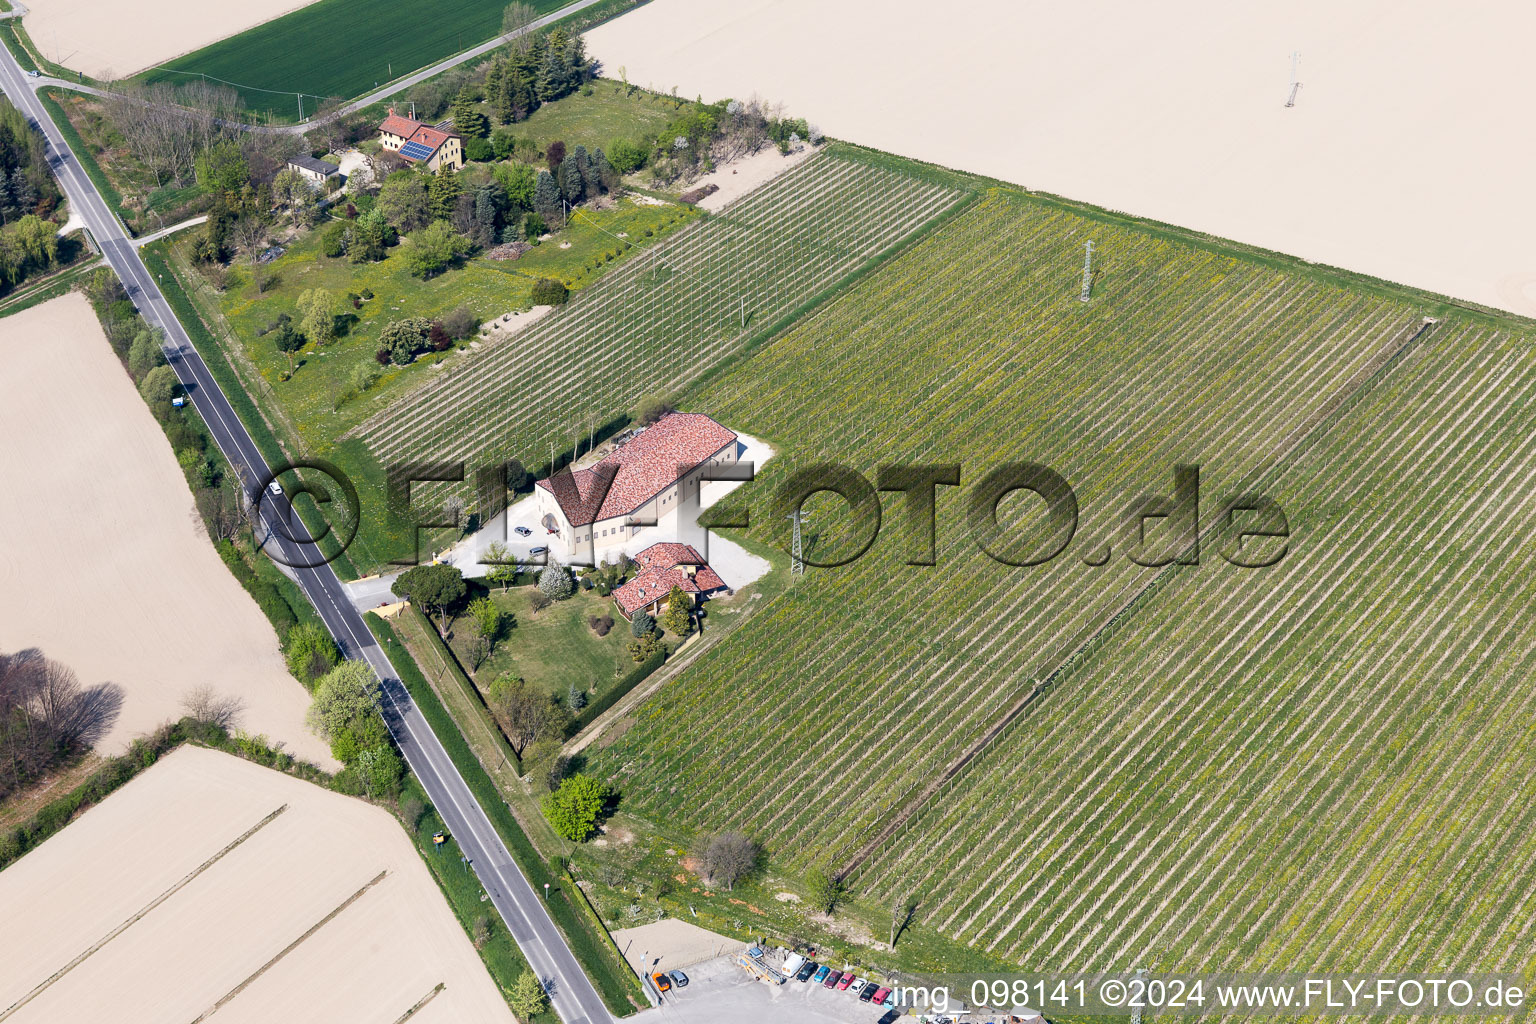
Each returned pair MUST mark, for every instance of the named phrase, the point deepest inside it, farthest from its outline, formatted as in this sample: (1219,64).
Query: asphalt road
(571,993)
(391,88)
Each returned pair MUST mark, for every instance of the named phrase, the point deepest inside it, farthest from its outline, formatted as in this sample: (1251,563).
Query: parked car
(662,984)
(881,995)
(867,993)
(522,531)
(842,986)
(821,974)
(833,979)
(890,1017)
(34,74)
(678,978)
(791,965)
(541,549)
(806,970)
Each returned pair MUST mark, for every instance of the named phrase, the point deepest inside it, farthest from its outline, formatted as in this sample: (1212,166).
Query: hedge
(83,153)
(272,604)
(502,957)
(635,676)
(224,375)
(141,754)
(615,982)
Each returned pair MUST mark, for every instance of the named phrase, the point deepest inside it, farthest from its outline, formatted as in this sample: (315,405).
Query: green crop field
(1329,765)
(339,48)
(859,687)
(674,311)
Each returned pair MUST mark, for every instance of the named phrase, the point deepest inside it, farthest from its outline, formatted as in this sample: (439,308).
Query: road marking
(240,450)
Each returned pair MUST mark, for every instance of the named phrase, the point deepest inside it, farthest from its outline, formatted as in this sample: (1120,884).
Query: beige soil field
(746,173)
(104,566)
(114,39)
(1405,157)
(213,884)
(672,943)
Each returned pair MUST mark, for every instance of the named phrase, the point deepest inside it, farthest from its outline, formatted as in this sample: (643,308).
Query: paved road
(572,994)
(387,91)
(436,69)
(192,222)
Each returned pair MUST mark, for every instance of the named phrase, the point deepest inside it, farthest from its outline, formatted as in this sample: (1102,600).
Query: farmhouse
(421,143)
(643,478)
(316,172)
(662,567)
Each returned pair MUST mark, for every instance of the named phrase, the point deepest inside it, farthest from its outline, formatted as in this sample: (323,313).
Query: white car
(522,531)
(275,489)
(34,74)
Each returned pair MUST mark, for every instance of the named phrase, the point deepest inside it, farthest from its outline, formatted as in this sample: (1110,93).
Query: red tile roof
(429,137)
(414,131)
(643,467)
(397,125)
(667,554)
(660,571)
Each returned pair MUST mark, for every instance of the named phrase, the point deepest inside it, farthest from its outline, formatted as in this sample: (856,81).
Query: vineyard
(1329,764)
(665,318)
(857,688)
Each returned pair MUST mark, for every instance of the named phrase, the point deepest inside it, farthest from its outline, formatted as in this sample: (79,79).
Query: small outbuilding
(660,568)
(317,172)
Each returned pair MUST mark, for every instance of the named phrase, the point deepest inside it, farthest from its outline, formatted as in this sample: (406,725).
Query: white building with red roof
(634,485)
(420,143)
(661,568)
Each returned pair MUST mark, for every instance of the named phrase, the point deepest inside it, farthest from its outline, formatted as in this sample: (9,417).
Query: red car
(832,979)
(880,994)
(847,980)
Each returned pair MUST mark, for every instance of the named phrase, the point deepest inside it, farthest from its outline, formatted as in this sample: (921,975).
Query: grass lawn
(318,398)
(555,648)
(596,121)
(314,409)
(642,872)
